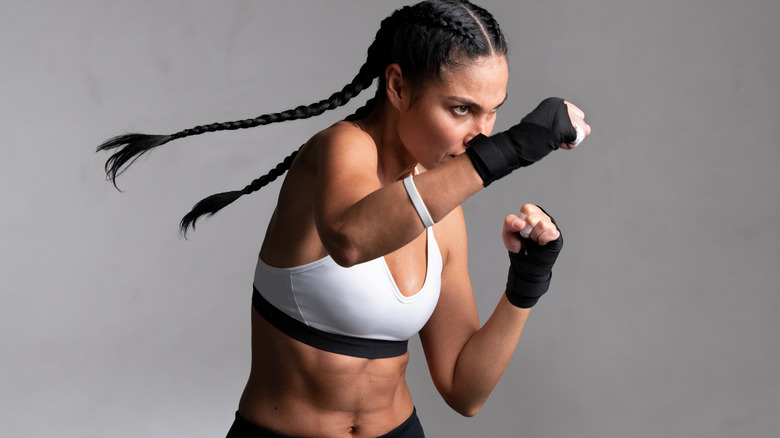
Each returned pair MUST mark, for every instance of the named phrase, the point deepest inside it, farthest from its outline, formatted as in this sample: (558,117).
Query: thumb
(513,224)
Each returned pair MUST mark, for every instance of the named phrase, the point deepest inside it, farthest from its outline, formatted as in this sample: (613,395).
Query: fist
(530,223)
(577,117)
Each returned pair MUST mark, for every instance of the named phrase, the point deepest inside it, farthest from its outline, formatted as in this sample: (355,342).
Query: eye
(461,110)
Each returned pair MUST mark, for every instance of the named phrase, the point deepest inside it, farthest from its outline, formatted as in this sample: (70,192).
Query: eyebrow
(467,102)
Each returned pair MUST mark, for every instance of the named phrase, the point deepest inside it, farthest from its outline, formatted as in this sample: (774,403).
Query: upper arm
(345,173)
(455,319)
(357,217)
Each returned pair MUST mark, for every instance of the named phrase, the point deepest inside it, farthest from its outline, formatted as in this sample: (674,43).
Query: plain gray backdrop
(663,315)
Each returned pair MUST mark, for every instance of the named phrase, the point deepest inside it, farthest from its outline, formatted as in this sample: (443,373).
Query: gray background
(662,320)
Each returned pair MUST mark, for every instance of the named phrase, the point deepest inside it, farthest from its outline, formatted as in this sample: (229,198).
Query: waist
(299,390)
(243,428)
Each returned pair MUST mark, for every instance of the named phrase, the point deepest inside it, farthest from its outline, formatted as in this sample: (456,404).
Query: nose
(482,125)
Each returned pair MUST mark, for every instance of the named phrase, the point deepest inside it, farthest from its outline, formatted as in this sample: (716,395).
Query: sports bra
(358,311)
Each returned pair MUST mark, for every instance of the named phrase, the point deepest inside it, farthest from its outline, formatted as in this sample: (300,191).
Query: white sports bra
(358,311)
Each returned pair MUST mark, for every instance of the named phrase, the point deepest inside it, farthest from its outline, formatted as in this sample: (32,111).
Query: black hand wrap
(530,271)
(537,134)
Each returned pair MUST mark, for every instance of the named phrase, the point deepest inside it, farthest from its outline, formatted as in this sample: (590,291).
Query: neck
(394,162)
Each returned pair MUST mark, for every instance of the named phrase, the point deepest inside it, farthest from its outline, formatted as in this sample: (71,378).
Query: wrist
(525,293)
(528,278)
(489,158)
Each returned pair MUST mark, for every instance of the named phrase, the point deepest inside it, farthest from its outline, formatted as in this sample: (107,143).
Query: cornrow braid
(493,29)
(438,19)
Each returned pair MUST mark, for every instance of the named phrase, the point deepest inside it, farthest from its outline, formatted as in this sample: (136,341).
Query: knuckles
(544,230)
(534,215)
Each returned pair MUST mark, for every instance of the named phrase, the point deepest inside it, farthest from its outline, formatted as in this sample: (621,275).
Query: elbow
(470,412)
(463,397)
(466,408)
(342,250)
(344,257)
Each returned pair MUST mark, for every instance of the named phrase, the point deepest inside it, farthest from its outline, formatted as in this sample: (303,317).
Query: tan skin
(343,197)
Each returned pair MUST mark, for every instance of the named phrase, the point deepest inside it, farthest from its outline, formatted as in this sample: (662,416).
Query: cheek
(448,129)
(431,130)
(445,136)
(434,134)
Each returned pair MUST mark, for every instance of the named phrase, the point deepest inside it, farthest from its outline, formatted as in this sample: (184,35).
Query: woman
(367,245)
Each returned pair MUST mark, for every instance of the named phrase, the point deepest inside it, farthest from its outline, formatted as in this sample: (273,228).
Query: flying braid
(216,202)
(130,147)
(212,204)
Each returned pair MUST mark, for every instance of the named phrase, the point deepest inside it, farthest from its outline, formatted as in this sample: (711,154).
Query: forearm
(486,356)
(487,353)
(446,187)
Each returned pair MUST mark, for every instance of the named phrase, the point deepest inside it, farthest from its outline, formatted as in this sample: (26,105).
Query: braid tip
(128,148)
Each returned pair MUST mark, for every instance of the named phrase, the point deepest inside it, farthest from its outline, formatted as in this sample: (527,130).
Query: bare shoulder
(343,142)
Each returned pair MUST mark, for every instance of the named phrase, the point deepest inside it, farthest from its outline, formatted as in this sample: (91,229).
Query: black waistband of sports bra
(322,340)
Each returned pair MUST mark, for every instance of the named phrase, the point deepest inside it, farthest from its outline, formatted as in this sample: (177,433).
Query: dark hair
(423,39)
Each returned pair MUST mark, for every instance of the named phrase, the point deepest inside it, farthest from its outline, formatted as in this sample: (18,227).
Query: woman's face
(447,113)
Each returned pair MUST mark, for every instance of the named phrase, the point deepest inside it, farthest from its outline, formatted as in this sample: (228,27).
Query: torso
(299,390)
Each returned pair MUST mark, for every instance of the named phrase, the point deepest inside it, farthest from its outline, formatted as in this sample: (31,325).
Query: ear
(397,92)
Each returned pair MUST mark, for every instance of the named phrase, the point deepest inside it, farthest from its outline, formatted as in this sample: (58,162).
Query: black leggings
(241,428)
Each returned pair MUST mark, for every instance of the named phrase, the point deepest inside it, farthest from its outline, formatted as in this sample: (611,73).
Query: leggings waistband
(243,428)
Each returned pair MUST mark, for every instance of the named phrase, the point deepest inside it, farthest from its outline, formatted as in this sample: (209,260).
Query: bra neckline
(430,240)
(428,259)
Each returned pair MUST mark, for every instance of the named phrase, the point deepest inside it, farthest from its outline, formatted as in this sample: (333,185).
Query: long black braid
(422,39)
(216,202)
(133,146)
